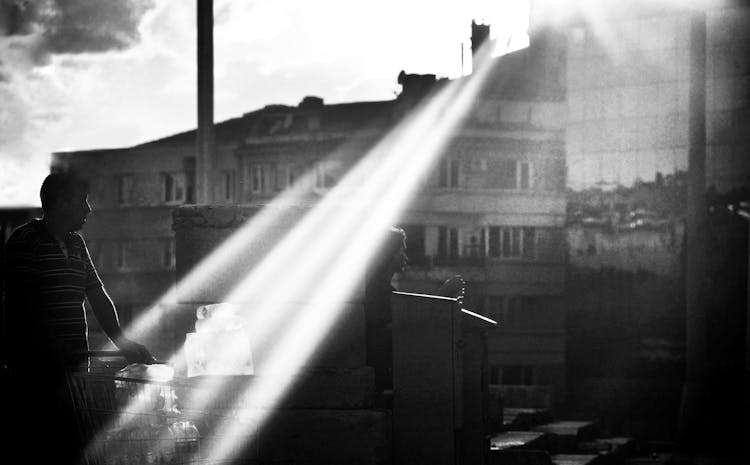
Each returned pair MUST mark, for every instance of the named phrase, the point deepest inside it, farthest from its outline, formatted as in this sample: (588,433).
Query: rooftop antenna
(462,59)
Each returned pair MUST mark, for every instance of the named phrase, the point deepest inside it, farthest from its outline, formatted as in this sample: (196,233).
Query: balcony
(510,207)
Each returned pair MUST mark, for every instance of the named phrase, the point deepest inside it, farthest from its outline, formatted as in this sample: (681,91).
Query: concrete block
(527,440)
(524,418)
(565,435)
(614,448)
(576,459)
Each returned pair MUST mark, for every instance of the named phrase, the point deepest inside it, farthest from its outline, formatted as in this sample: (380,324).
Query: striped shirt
(45,288)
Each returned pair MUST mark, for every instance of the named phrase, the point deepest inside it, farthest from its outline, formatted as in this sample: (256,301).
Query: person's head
(393,255)
(64,199)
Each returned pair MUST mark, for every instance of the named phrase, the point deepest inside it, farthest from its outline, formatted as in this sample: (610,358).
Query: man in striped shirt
(48,274)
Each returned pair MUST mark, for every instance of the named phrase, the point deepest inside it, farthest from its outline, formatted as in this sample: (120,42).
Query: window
(259,178)
(528,241)
(262,178)
(168,257)
(174,188)
(124,189)
(474,247)
(291,174)
(324,178)
(447,242)
(121,256)
(512,242)
(228,182)
(449,173)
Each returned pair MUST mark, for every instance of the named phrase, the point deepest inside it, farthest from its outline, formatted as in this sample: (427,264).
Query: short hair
(396,237)
(61,184)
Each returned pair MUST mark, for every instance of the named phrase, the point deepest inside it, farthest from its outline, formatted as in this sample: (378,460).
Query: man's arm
(105,312)
(106,315)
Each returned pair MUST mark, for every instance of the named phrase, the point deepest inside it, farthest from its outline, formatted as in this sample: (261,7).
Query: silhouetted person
(378,316)
(48,274)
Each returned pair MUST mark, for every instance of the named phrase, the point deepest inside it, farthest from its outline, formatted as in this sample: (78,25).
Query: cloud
(73,26)
(39,92)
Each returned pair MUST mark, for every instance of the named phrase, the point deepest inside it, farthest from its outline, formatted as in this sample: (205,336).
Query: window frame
(325,178)
(124,185)
(168,254)
(510,242)
(229,183)
(170,182)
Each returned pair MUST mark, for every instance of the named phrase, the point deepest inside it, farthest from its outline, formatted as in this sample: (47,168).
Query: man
(378,316)
(48,274)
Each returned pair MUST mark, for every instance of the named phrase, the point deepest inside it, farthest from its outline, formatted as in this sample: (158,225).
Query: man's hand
(134,352)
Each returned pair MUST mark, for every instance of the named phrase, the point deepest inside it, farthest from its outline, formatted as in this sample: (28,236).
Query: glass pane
(494,241)
(516,242)
(506,243)
(525,176)
(529,242)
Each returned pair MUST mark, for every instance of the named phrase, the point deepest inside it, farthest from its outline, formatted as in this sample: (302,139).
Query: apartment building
(492,211)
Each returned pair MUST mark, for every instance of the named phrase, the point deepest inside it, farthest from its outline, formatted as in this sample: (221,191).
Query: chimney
(311,102)
(480,34)
(205,143)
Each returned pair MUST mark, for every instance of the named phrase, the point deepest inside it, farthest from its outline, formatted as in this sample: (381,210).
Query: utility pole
(695,406)
(205,143)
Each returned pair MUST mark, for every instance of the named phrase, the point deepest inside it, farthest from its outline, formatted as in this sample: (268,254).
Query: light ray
(346,228)
(340,264)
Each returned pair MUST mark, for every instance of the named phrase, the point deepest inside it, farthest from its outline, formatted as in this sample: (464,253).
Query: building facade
(628,84)
(492,211)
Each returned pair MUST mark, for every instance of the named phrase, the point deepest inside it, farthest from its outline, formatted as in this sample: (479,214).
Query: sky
(85,74)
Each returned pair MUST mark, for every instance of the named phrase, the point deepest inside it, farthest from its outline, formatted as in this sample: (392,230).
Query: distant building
(628,85)
(493,210)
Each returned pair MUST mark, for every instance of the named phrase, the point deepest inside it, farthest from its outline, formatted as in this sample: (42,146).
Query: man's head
(395,249)
(64,199)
